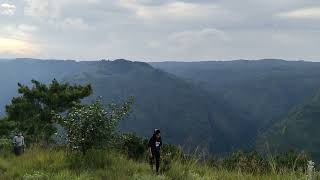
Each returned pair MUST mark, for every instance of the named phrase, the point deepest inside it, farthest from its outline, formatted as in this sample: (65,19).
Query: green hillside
(299,130)
(188,115)
(264,91)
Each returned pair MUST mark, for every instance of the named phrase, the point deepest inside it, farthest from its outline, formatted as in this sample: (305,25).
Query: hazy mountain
(263,90)
(220,105)
(187,114)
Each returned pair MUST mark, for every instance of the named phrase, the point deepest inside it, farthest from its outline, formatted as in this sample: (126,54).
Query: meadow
(57,164)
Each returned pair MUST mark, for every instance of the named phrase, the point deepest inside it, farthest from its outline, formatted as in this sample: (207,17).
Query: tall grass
(56,164)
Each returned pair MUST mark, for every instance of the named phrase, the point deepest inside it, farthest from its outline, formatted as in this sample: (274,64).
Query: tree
(92,126)
(6,127)
(33,110)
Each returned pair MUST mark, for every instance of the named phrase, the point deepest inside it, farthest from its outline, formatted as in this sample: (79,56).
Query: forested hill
(220,105)
(187,114)
(299,131)
(265,90)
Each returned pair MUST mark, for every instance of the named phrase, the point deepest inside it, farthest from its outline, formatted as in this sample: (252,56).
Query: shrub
(291,160)
(92,126)
(133,146)
(169,153)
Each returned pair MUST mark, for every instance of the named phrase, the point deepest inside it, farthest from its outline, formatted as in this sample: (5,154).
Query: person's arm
(160,141)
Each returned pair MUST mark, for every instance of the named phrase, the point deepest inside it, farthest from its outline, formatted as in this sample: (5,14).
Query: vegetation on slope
(95,150)
(299,130)
(55,164)
(190,115)
(264,91)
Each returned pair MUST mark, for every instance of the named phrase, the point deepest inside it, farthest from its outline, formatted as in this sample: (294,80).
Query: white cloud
(18,48)
(7,9)
(176,10)
(44,8)
(195,38)
(18,40)
(27,28)
(76,23)
(302,13)
(165,29)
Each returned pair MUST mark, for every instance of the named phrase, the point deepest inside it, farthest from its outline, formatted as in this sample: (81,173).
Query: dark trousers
(18,150)
(155,157)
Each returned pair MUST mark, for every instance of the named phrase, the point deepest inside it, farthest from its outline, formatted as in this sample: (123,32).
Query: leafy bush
(91,126)
(5,145)
(169,153)
(133,146)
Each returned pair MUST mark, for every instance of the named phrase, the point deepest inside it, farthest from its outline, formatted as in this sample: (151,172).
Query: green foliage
(5,147)
(35,176)
(6,127)
(298,131)
(133,146)
(92,126)
(102,164)
(255,163)
(290,160)
(250,162)
(32,111)
(262,92)
(5,144)
(99,160)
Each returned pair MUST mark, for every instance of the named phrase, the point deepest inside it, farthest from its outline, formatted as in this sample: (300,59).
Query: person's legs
(19,150)
(15,150)
(157,162)
(151,159)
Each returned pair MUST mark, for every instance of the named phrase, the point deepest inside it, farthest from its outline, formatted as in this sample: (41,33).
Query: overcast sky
(156,30)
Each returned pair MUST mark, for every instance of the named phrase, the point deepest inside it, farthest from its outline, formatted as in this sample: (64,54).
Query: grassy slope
(56,164)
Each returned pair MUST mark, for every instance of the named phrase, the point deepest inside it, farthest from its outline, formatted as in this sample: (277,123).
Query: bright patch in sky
(303,13)
(17,47)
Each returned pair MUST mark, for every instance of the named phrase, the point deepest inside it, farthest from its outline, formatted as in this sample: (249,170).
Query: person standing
(154,146)
(18,144)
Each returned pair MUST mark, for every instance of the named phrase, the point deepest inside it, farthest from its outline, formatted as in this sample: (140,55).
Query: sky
(160,30)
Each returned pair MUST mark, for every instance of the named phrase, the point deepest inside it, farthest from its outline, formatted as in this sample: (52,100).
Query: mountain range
(219,105)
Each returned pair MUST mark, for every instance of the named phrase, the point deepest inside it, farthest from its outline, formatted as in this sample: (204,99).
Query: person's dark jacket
(155,144)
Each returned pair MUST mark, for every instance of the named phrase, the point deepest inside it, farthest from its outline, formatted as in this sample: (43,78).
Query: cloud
(196,38)
(75,23)
(44,8)
(302,13)
(165,29)
(17,48)
(175,11)
(27,28)
(7,9)
(17,40)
